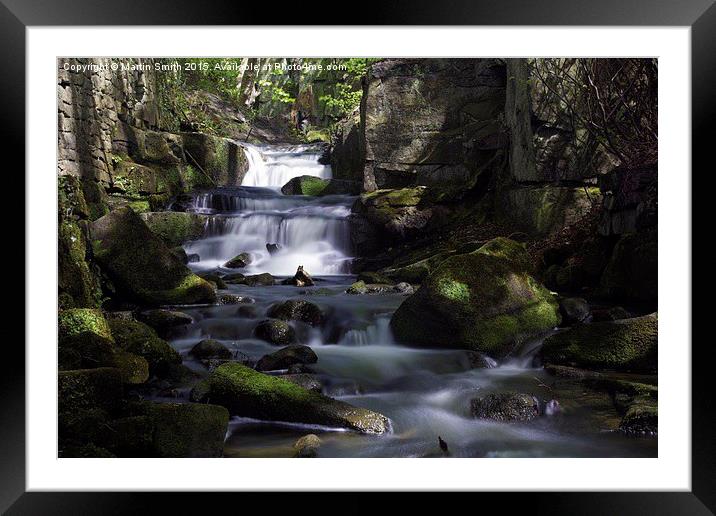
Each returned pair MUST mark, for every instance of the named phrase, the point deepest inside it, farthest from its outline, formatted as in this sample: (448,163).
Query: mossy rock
(163,321)
(297,310)
(513,252)
(174,227)
(85,399)
(275,331)
(79,320)
(259,279)
(133,368)
(239,261)
(130,436)
(141,266)
(305,185)
(186,429)
(476,301)
(86,350)
(373,277)
(213,278)
(623,345)
(249,393)
(138,338)
(78,283)
(641,418)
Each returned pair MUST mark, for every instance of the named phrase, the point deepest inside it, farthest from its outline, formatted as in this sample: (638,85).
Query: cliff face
(428,121)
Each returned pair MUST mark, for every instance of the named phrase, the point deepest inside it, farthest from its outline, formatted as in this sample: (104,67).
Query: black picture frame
(17,15)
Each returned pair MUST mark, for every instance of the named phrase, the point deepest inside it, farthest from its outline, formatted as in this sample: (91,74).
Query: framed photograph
(431,251)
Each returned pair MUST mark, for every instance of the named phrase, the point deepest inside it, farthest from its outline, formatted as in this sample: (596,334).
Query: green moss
(626,344)
(480,301)
(510,250)
(139,339)
(139,206)
(641,418)
(249,393)
(78,284)
(454,290)
(133,368)
(186,429)
(78,320)
(175,228)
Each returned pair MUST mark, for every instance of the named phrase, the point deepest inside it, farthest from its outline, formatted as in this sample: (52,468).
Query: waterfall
(274,166)
(311,231)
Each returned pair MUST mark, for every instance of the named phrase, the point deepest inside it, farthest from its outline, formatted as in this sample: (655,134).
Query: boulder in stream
(307,446)
(164,320)
(239,261)
(286,357)
(275,331)
(210,348)
(248,393)
(574,310)
(507,406)
(138,338)
(273,248)
(259,279)
(485,301)
(300,279)
(623,345)
(140,264)
(298,310)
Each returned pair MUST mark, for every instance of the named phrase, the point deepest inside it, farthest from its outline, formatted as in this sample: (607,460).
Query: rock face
(286,357)
(141,265)
(624,345)
(509,406)
(483,301)
(430,120)
(248,393)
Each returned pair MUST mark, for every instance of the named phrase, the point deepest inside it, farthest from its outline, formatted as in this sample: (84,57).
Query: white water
(313,232)
(274,166)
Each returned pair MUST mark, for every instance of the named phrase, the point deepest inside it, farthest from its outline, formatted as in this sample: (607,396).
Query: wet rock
(249,393)
(286,357)
(300,279)
(404,288)
(163,321)
(276,332)
(273,248)
(175,228)
(623,345)
(213,278)
(296,369)
(138,338)
(193,258)
(641,418)
(360,287)
(235,278)
(307,381)
(259,279)
(305,185)
(141,266)
(239,261)
(298,310)
(479,361)
(229,299)
(614,313)
(133,369)
(210,348)
(307,446)
(485,301)
(510,406)
(574,310)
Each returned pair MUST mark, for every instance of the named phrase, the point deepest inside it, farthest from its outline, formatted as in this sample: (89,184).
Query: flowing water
(425,393)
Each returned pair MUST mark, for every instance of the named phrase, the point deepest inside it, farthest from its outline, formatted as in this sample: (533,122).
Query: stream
(425,393)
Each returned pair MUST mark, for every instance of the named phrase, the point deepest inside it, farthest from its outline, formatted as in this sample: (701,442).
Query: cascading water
(313,232)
